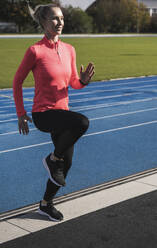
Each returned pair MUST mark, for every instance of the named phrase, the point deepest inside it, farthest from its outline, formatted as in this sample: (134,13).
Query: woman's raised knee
(84,123)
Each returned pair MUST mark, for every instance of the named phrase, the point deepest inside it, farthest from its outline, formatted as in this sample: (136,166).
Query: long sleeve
(75,80)
(25,67)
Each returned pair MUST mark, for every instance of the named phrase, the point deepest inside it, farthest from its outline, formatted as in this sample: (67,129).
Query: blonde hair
(39,14)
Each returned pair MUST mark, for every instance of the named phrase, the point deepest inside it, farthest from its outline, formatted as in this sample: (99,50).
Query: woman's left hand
(85,76)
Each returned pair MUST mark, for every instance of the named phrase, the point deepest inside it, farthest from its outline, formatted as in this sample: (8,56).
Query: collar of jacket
(49,43)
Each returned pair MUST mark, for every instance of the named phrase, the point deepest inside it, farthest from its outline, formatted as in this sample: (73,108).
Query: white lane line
(20,36)
(15,132)
(28,99)
(106,105)
(104,97)
(12,114)
(25,147)
(122,128)
(7,115)
(6,100)
(123,114)
(112,83)
(13,106)
(11,98)
(6,96)
(86,135)
(8,120)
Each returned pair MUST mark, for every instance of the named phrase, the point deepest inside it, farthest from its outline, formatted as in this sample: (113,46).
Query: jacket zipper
(56,48)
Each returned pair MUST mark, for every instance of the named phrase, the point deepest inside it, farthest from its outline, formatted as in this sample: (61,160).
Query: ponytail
(31,11)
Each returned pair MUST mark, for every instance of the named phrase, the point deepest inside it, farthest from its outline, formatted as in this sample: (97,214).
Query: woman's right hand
(23,125)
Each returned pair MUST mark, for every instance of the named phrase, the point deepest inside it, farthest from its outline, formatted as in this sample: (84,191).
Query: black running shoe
(50,211)
(55,170)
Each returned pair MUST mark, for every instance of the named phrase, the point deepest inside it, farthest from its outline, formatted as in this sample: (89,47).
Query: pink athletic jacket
(54,69)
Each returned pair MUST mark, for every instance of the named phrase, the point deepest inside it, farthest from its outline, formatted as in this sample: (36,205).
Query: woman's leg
(51,188)
(69,127)
(46,205)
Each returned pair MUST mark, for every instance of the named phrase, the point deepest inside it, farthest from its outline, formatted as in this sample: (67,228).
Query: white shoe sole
(47,168)
(45,214)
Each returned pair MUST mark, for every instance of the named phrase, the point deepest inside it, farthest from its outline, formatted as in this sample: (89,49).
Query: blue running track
(121,140)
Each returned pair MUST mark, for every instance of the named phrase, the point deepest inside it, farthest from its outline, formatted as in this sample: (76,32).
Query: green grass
(113,57)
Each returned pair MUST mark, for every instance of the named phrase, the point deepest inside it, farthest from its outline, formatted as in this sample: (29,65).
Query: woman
(53,64)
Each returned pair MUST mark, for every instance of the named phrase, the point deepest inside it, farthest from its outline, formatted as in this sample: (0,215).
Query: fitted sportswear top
(54,69)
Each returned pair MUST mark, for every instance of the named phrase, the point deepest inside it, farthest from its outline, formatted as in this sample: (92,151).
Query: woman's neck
(51,38)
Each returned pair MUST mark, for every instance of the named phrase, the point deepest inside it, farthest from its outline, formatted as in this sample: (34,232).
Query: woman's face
(55,22)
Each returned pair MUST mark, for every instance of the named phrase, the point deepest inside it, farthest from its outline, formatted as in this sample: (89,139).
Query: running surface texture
(130,224)
(120,141)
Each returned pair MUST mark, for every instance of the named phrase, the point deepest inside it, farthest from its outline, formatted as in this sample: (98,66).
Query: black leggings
(65,127)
